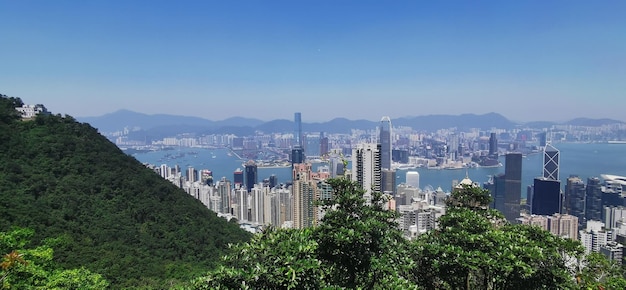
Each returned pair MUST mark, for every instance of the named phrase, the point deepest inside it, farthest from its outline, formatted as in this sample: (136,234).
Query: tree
(597,272)
(475,248)
(31,268)
(360,243)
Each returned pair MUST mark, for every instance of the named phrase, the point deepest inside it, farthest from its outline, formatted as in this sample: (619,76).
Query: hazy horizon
(526,60)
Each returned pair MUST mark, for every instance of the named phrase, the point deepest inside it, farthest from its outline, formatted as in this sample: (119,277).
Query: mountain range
(168,125)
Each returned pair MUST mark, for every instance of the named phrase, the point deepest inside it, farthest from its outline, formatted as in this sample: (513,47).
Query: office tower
(593,203)
(551,158)
(496,187)
(298,129)
(388,181)
(304,196)
(413,178)
(273,181)
(251,175)
(546,196)
(493,145)
(512,186)
(530,191)
(238,178)
(575,198)
(385,143)
(257,205)
(614,216)
(366,169)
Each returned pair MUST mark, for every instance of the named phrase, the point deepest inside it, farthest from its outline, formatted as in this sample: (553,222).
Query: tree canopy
(110,214)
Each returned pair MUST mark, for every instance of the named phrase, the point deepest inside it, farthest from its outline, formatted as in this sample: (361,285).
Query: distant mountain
(105,210)
(118,120)
(591,122)
(156,127)
(462,122)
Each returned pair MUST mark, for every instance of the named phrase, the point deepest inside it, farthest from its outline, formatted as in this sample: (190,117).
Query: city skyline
(217,60)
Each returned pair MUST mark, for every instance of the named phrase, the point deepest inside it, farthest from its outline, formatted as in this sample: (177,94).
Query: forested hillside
(109,213)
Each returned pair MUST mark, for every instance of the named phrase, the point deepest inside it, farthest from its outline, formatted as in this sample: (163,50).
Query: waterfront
(582,159)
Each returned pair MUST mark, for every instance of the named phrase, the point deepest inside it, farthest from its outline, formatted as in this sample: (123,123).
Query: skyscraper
(546,196)
(251,175)
(493,145)
(297,151)
(385,143)
(298,129)
(575,199)
(366,168)
(304,195)
(551,157)
(512,186)
(388,182)
(593,203)
(238,178)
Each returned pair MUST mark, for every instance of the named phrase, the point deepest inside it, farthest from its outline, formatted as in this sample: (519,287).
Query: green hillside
(113,216)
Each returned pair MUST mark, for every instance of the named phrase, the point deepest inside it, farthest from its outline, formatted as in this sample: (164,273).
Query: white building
(366,168)
(413,178)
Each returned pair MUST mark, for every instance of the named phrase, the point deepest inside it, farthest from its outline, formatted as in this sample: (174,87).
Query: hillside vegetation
(108,212)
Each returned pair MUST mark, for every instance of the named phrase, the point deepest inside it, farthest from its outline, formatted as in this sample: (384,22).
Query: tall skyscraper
(304,195)
(512,186)
(546,196)
(324,149)
(298,129)
(593,203)
(385,143)
(551,157)
(238,178)
(251,175)
(575,199)
(297,151)
(493,145)
(366,168)
(388,182)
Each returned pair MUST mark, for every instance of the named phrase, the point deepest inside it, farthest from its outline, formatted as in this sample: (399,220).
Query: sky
(527,60)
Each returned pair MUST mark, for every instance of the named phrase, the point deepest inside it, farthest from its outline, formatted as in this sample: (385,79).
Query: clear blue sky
(528,60)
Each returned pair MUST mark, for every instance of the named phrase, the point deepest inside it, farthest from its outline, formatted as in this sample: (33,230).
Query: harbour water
(582,159)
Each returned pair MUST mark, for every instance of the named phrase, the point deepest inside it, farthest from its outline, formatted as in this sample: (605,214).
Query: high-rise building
(493,145)
(512,186)
(546,198)
(273,181)
(192,174)
(388,182)
(385,142)
(304,196)
(324,144)
(238,178)
(223,191)
(564,225)
(575,199)
(551,158)
(593,203)
(251,175)
(298,129)
(413,178)
(366,168)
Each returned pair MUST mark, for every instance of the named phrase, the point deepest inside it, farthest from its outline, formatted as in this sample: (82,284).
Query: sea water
(582,159)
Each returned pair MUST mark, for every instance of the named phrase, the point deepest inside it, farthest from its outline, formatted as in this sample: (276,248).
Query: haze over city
(527,60)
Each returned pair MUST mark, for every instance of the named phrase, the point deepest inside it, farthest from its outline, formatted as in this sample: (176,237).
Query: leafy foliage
(33,268)
(110,213)
(474,248)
